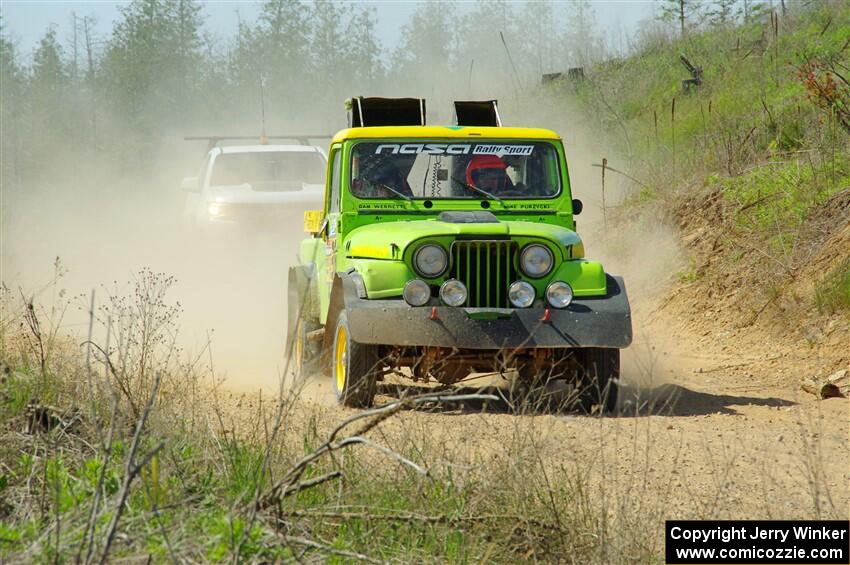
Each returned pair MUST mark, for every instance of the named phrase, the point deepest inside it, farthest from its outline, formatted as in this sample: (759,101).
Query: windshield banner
(453,149)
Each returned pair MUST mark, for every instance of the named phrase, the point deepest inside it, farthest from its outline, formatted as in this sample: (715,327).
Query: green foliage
(779,194)
(832,293)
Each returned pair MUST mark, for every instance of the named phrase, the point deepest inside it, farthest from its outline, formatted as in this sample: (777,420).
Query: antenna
(511,60)
(264,140)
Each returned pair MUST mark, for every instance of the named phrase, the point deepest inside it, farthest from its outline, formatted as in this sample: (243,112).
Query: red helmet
(485,163)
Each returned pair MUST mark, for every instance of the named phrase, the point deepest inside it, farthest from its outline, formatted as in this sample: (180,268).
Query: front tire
(354,367)
(600,377)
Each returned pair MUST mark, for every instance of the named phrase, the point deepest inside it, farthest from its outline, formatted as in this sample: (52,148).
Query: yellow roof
(435,132)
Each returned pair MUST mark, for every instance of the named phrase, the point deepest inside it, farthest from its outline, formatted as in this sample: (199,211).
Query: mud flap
(301,290)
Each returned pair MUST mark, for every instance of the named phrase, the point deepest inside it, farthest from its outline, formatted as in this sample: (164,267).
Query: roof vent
(367,112)
(477,113)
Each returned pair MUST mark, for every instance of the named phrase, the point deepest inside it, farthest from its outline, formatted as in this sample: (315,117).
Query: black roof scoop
(468,218)
(477,113)
(368,112)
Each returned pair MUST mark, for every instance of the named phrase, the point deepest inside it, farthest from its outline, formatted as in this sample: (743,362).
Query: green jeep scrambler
(447,250)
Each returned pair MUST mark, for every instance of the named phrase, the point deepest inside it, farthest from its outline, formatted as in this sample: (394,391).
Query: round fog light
(559,294)
(453,293)
(521,294)
(416,292)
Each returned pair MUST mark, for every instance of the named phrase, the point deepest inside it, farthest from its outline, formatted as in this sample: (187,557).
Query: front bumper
(587,322)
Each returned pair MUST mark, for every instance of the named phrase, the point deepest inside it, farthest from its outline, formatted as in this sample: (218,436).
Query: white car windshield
(269,170)
(433,169)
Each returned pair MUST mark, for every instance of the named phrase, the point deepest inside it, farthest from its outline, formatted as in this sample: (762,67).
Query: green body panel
(383,279)
(390,240)
(586,277)
(377,237)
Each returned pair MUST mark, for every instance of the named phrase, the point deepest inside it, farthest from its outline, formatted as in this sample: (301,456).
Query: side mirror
(577,206)
(190,184)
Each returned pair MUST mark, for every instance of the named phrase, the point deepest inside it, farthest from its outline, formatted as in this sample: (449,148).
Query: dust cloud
(105,226)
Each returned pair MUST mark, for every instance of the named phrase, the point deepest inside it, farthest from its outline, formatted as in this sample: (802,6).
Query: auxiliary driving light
(430,261)
(416,292)
(559,294)
(536,261)
(453,293)
(521,294)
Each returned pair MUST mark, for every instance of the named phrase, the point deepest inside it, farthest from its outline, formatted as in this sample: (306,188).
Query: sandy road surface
(702,431)
(711,422)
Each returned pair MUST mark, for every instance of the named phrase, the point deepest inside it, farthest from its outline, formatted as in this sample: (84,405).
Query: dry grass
(110,451)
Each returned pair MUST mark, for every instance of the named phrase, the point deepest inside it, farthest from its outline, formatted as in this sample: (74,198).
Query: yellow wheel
(302,355)
(298,358)
(354,367)
(341,357)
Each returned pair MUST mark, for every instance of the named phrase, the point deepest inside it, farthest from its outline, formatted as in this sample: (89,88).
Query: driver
(384,174)
(489,173)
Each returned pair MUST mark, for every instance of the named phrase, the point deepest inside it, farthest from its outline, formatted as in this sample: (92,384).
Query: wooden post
(673,131)
(604,210)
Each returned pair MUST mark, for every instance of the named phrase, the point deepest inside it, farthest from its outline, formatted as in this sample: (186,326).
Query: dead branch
(329,549)
(375,416)
(311,483)
(608,167)
(424,518)
(133,468)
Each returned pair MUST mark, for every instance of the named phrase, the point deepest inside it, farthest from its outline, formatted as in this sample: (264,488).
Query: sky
(25,21)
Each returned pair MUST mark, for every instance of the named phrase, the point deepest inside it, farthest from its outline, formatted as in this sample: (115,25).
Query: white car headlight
(453,293)
(521,294)
(559,294)
(416,292)
(536,261)
(430,261)
(215,210)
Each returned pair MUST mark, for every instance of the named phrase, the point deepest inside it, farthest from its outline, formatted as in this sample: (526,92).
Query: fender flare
(302,287)
(347,289)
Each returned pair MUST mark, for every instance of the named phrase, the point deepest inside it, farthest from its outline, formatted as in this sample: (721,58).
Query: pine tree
(581,37)
(426,53)
(721,12)
(541,52)
(47,90)
(11,112)
(276,52)
(681,11)
(364,55)
(151,67)
(490,38)
(326,50)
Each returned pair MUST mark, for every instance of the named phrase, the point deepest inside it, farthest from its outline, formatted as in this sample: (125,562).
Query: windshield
(269,170)
(436,169)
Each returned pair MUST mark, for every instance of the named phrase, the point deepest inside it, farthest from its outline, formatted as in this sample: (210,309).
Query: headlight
(215,210)
(416,292)
(521,294)
(536,261)
(453,293)
(559,294)
(430,261)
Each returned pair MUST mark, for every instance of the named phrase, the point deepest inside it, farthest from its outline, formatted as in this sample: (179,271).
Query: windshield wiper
(394,191)
(477,189)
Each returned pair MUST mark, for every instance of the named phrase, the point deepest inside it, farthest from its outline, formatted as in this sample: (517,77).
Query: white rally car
(255,186)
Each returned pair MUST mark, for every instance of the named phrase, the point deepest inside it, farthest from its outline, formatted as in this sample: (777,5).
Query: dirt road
(704,429)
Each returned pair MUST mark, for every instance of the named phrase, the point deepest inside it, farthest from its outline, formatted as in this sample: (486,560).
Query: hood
(377,241)
(244,194)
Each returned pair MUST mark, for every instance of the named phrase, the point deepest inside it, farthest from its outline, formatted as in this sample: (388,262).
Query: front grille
(487,268)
